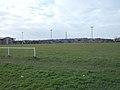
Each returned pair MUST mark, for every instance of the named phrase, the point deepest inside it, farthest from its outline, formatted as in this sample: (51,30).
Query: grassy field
(84,66)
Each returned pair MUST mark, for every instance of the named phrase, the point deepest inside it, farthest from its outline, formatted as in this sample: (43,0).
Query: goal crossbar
(8,48)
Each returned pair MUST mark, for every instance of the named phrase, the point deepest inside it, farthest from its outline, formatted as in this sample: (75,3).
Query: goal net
(18,51)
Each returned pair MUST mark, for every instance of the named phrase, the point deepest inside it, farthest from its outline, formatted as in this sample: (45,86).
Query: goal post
(27,48)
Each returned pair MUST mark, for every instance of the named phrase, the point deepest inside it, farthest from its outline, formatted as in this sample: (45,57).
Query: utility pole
(51,33)
(65,35)
(22,37)
(92,32)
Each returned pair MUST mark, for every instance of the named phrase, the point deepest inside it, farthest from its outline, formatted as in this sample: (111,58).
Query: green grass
(84,66)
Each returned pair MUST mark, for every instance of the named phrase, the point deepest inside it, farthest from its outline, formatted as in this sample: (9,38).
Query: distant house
(117,39)
(6,40)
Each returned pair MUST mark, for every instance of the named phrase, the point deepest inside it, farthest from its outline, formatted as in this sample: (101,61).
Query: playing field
(82,66)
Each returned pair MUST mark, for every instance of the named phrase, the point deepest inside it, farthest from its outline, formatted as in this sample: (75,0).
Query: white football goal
(17,48)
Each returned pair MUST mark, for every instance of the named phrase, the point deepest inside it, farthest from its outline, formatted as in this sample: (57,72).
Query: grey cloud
(3,13)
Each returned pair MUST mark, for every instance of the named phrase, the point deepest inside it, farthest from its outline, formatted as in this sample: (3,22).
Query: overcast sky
(35,18)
